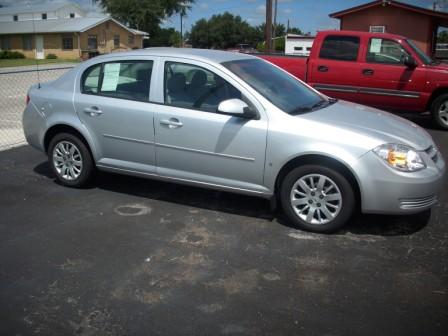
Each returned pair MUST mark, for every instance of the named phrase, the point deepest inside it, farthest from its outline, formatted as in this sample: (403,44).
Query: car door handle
(93,111)
(171,123)
(368,72)
(322,68)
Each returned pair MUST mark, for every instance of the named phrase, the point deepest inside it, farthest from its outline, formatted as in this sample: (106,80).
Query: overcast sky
(308,15)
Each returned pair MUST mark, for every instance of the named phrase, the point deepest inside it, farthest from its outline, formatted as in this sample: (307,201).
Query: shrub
(7,54)
(51,56)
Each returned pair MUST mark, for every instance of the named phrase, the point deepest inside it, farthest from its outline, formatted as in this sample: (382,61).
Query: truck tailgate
(295,65)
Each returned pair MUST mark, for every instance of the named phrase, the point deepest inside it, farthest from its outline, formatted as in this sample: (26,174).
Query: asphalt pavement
(129,256)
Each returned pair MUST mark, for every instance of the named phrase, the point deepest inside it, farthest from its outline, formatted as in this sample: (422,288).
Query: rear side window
(341,48)
(123,80)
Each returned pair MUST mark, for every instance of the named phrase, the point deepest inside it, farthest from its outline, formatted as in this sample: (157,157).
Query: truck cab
(381,70)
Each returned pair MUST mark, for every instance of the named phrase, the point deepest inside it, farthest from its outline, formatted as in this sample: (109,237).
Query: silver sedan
(232,122)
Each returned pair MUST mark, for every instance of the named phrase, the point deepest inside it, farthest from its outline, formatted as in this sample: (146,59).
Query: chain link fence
(14,85)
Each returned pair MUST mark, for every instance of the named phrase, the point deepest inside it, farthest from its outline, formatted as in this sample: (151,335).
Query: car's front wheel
(70,160)
(317,198)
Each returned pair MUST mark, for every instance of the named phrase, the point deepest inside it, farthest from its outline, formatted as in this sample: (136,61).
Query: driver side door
(194,142)
(386,82)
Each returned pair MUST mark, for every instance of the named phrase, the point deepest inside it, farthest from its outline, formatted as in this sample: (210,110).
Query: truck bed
(295,65)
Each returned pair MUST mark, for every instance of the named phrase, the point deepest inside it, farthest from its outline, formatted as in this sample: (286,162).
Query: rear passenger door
(112,101)
(336,71)
(194,142)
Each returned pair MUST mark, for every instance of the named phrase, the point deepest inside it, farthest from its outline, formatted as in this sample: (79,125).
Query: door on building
(39,47)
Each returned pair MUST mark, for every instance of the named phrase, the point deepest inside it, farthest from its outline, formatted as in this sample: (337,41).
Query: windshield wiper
(320,104)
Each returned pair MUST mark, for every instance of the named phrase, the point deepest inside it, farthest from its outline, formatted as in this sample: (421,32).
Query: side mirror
(237,108)
(410,62)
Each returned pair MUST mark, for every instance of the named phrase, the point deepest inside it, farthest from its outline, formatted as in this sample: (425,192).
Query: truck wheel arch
(437,92)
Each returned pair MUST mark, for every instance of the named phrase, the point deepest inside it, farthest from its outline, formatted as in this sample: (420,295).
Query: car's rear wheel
(439,111)
(70,160)
(317,198)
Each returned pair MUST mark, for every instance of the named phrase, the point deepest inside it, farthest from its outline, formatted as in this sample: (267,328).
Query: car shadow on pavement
(237,204)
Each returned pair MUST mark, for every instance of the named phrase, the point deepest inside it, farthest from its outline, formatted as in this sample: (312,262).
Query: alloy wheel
(67,160)
(316,199)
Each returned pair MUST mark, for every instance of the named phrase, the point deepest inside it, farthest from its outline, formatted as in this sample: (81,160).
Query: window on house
(131,39)
(15,18)
(298,48)
(67,42)
(72,15)
(92,42)
(6,43)
(122,80)
(27,41)
(308,48)
(44,16)
(377,29)
(116,41)
(341,48)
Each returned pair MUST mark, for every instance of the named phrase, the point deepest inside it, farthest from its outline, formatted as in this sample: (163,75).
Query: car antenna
(35,47)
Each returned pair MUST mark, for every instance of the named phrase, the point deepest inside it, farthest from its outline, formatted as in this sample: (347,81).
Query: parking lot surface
(129,256)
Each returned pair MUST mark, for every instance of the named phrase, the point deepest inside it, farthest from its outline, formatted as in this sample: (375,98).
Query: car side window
(385,51)
(340,48)
(123,80)
(193,87)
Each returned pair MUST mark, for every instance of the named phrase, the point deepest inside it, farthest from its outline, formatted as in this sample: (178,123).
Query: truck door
(386,81)
(335,69)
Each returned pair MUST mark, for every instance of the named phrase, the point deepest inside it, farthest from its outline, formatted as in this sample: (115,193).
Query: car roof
(207,55)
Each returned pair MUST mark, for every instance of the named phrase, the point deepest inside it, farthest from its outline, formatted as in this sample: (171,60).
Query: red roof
(391,3)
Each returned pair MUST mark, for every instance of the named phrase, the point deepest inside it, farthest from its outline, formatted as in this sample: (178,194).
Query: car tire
(439,111)
(70,160)
(317,198)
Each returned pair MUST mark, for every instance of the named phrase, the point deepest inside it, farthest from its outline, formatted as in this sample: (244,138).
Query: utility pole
(287,27)
(268,27)
(181,34)
(274,35)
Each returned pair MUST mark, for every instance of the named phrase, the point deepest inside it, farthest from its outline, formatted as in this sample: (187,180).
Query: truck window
(385,51)
(341,48)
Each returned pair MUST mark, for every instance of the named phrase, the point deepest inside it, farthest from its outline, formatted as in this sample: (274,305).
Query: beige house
(69,37)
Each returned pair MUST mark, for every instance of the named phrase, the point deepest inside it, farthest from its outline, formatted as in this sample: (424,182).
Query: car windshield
(424,58)
(277,86)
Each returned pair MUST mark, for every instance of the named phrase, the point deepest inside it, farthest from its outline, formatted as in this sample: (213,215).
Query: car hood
(382,126)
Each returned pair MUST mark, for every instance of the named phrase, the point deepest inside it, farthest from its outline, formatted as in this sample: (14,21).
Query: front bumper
(385,190)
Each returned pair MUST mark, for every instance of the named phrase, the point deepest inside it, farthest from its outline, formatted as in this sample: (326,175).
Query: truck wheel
(317,198)
(439,111)
(70,160)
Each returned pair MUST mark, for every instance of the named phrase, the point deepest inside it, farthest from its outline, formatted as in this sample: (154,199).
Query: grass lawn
(25,61)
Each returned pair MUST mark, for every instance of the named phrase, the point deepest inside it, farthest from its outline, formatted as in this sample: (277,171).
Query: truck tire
(317,198)
(439,111)
(70,160)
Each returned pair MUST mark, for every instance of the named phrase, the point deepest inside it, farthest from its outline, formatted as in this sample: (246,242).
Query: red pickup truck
(381,70)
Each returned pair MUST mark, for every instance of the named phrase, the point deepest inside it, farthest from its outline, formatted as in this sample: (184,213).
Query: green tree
(144,15)
(442,37)
(164,37)
(221,31)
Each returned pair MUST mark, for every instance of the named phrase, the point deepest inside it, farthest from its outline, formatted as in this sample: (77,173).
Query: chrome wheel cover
(316,199)
(443,112)
(67,160)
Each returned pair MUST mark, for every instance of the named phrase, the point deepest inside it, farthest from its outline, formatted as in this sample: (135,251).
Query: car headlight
(400,157)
